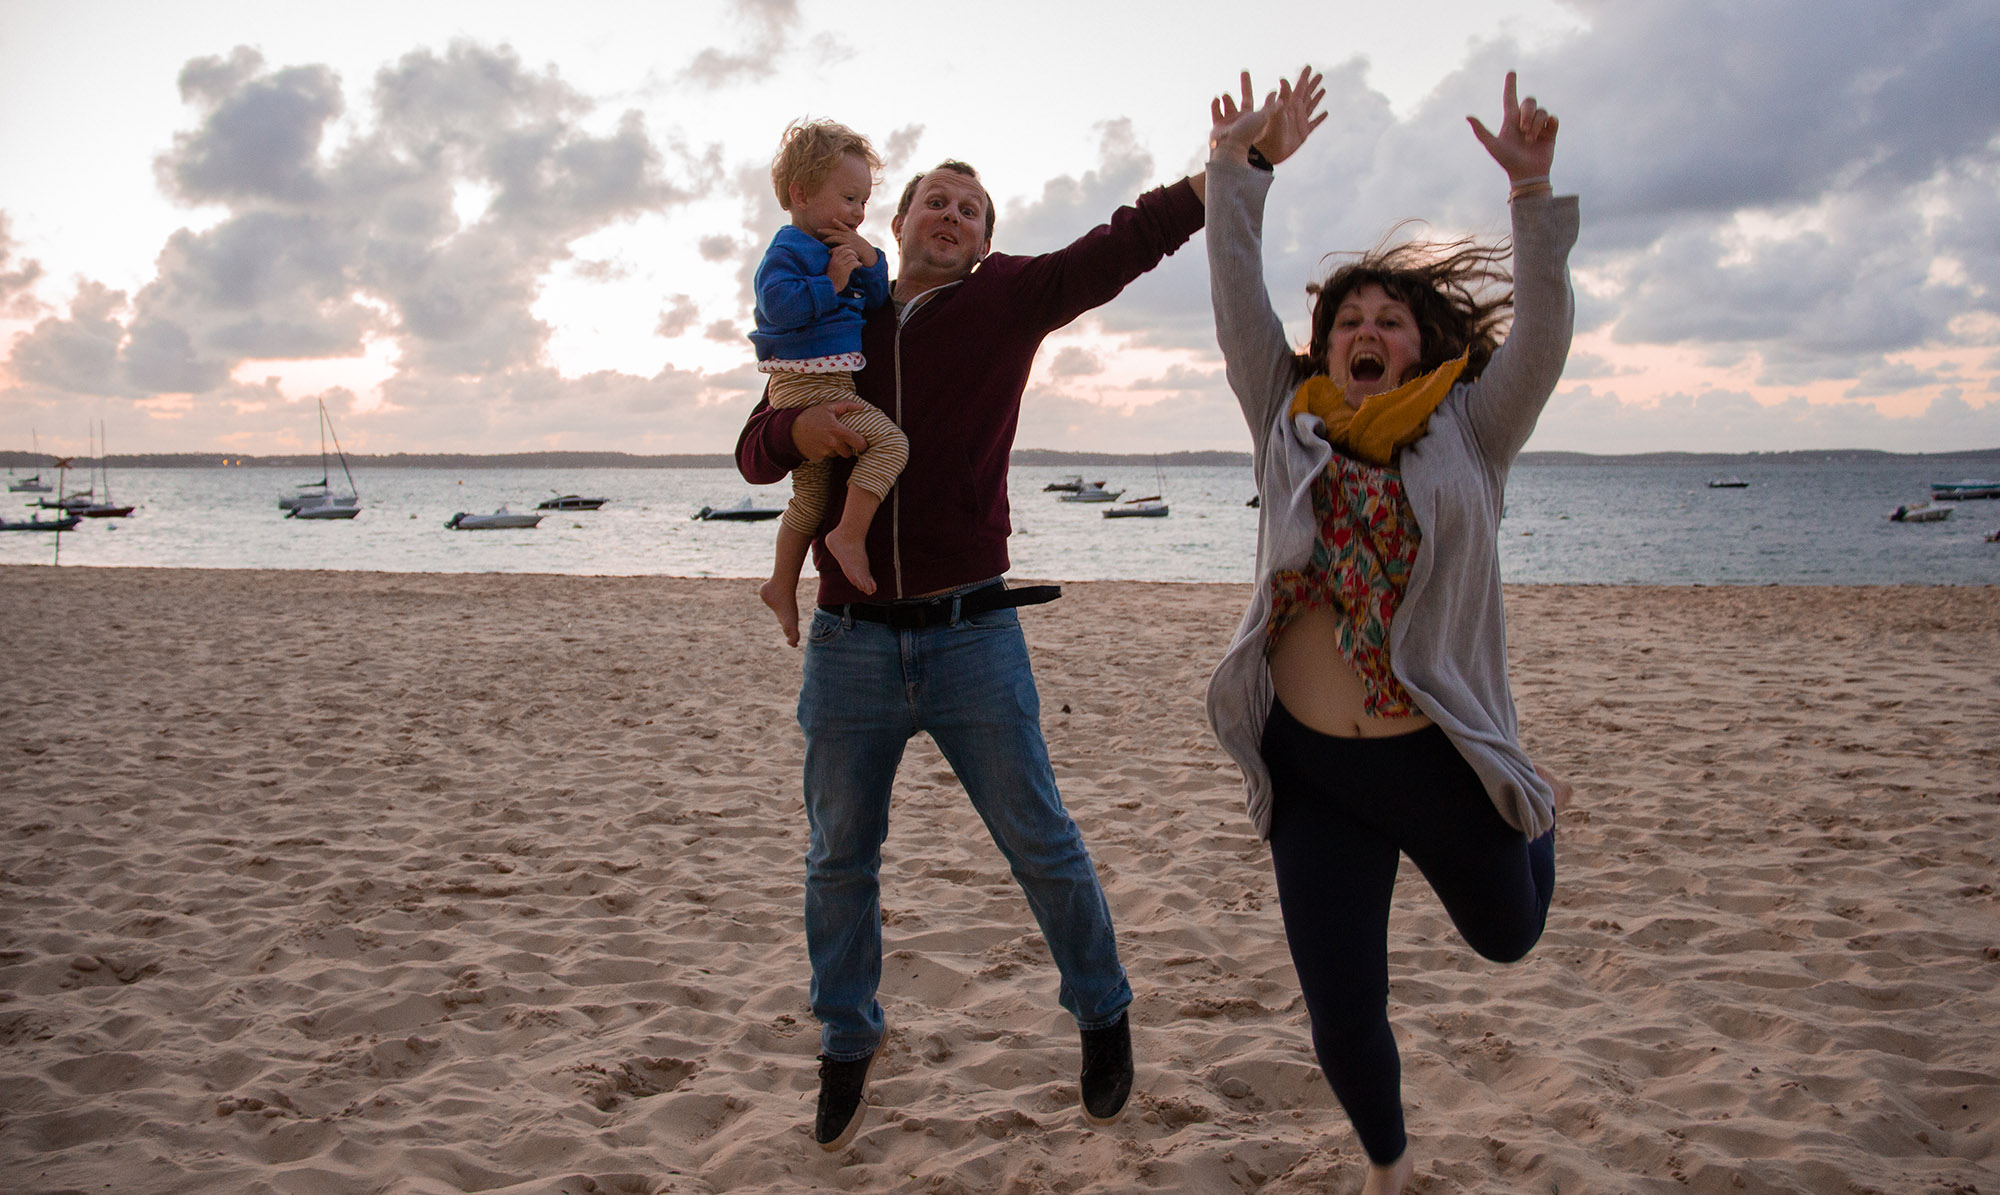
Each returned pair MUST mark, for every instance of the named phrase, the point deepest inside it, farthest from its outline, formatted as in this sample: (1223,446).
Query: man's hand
(1293,120)
(819,434)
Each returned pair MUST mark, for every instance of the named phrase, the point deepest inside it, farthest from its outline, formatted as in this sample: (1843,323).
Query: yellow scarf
(1385,422)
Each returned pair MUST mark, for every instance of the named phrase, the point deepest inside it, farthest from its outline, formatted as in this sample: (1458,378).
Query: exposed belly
(1319,687)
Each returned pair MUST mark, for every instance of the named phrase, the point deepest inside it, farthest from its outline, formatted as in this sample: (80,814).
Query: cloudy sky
(504,227)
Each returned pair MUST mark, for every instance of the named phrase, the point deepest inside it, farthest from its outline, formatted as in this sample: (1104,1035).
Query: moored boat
(499,520)
(1920,512)
(745,511)
(570,502)
(1964,488)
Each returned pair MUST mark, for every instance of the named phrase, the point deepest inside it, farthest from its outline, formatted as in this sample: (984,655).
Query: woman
(1365,694)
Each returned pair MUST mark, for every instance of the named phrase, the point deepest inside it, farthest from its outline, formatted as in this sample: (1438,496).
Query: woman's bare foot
(1390,1179)
(850,550)
(784,602)
(1562,789)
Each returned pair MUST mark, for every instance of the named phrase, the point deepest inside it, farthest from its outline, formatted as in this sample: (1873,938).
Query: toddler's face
(838,203)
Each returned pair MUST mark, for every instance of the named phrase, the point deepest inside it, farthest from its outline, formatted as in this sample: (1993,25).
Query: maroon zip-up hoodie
(950,368)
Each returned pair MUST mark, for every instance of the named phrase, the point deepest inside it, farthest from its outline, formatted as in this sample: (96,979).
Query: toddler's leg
(795,536)
(781,592)
(875,471)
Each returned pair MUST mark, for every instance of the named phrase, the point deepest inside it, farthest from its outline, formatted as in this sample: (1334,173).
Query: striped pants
(876,467)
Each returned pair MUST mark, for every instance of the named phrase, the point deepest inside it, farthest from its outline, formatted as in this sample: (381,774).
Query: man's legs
(976,697)
(856,721)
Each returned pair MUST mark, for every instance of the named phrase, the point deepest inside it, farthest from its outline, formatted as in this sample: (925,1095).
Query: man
(937,648)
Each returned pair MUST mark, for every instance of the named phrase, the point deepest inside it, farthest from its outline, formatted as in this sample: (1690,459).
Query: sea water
(1795,523)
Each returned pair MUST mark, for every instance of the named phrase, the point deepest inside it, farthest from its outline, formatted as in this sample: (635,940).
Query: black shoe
(843,1088)
(1107,1071)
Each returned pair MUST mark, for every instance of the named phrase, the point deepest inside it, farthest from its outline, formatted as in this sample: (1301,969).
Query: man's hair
(809,151)
(1449,288)
(956,167)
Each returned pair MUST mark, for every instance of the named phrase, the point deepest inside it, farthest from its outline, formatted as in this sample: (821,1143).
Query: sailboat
(326,504)
(106,509)
(32,483)
(1152,506)
(66,521)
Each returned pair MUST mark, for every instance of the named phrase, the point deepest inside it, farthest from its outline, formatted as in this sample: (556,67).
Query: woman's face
(1375,346)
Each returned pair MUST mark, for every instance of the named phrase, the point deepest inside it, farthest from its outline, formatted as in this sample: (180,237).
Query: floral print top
(1360,567)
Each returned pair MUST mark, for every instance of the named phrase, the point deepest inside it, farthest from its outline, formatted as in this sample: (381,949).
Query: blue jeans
(867,690)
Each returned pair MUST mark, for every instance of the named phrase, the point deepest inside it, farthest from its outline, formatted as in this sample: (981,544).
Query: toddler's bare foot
(851,552)
(784,602)
(1390,1179)
(1562,789)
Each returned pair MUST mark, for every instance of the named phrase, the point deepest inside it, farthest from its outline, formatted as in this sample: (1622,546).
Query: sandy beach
(348,882)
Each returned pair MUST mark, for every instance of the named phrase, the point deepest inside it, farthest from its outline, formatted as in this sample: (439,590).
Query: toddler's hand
(841,266)
(853,240)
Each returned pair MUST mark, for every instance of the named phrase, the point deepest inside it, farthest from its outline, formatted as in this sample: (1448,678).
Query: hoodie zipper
(896,494)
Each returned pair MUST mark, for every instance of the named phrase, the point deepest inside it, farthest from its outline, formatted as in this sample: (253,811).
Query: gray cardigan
(1448,642)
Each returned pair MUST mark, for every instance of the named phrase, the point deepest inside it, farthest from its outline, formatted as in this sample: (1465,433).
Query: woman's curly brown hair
(1449,287)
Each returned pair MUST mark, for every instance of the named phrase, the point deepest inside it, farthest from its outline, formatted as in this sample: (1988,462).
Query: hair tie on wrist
(1529,186)
(1258,159)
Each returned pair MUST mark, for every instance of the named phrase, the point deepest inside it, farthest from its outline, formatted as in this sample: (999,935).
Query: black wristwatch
(1258,159)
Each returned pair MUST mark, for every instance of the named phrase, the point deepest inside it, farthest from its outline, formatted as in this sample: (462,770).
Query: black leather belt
(941,611)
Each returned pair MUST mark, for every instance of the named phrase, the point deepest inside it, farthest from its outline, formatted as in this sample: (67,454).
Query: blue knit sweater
(799,315)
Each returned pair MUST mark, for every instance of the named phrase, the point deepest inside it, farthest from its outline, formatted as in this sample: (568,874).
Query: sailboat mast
(104,453)
(351,487)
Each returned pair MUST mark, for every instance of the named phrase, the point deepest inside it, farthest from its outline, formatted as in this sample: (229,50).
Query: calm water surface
(1795,524)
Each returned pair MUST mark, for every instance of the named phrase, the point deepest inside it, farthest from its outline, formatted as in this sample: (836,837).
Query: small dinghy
(499,520)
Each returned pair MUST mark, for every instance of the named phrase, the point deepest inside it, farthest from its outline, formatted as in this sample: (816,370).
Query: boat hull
(66,523)
(736,514)
(493,522)
(1955,491)
(326,508)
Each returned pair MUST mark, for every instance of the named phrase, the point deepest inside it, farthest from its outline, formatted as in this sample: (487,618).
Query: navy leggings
(1344,809)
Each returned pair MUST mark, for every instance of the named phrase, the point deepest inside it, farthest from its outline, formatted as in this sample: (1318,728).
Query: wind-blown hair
(1460,292)
(809,151)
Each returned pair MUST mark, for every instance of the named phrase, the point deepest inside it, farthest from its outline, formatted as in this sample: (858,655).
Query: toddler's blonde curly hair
(809,151)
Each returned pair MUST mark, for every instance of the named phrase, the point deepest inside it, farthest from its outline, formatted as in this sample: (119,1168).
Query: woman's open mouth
(1366,367)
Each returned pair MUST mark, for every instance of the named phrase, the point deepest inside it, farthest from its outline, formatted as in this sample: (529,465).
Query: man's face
(944,232)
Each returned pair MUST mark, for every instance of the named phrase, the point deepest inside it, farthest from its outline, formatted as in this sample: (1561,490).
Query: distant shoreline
(1028,458)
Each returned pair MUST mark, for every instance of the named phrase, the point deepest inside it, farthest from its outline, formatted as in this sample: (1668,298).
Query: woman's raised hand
(1277,127)
(1526,143)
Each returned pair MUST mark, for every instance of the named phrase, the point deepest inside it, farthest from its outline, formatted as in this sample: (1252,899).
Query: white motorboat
(1091,492)
(1966,487)
(570,502)
(325,504)
(1920,512)
(745,511)
(499,520)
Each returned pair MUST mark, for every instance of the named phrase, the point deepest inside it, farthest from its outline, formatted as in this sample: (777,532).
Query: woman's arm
(1504,403)
(1261,366)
